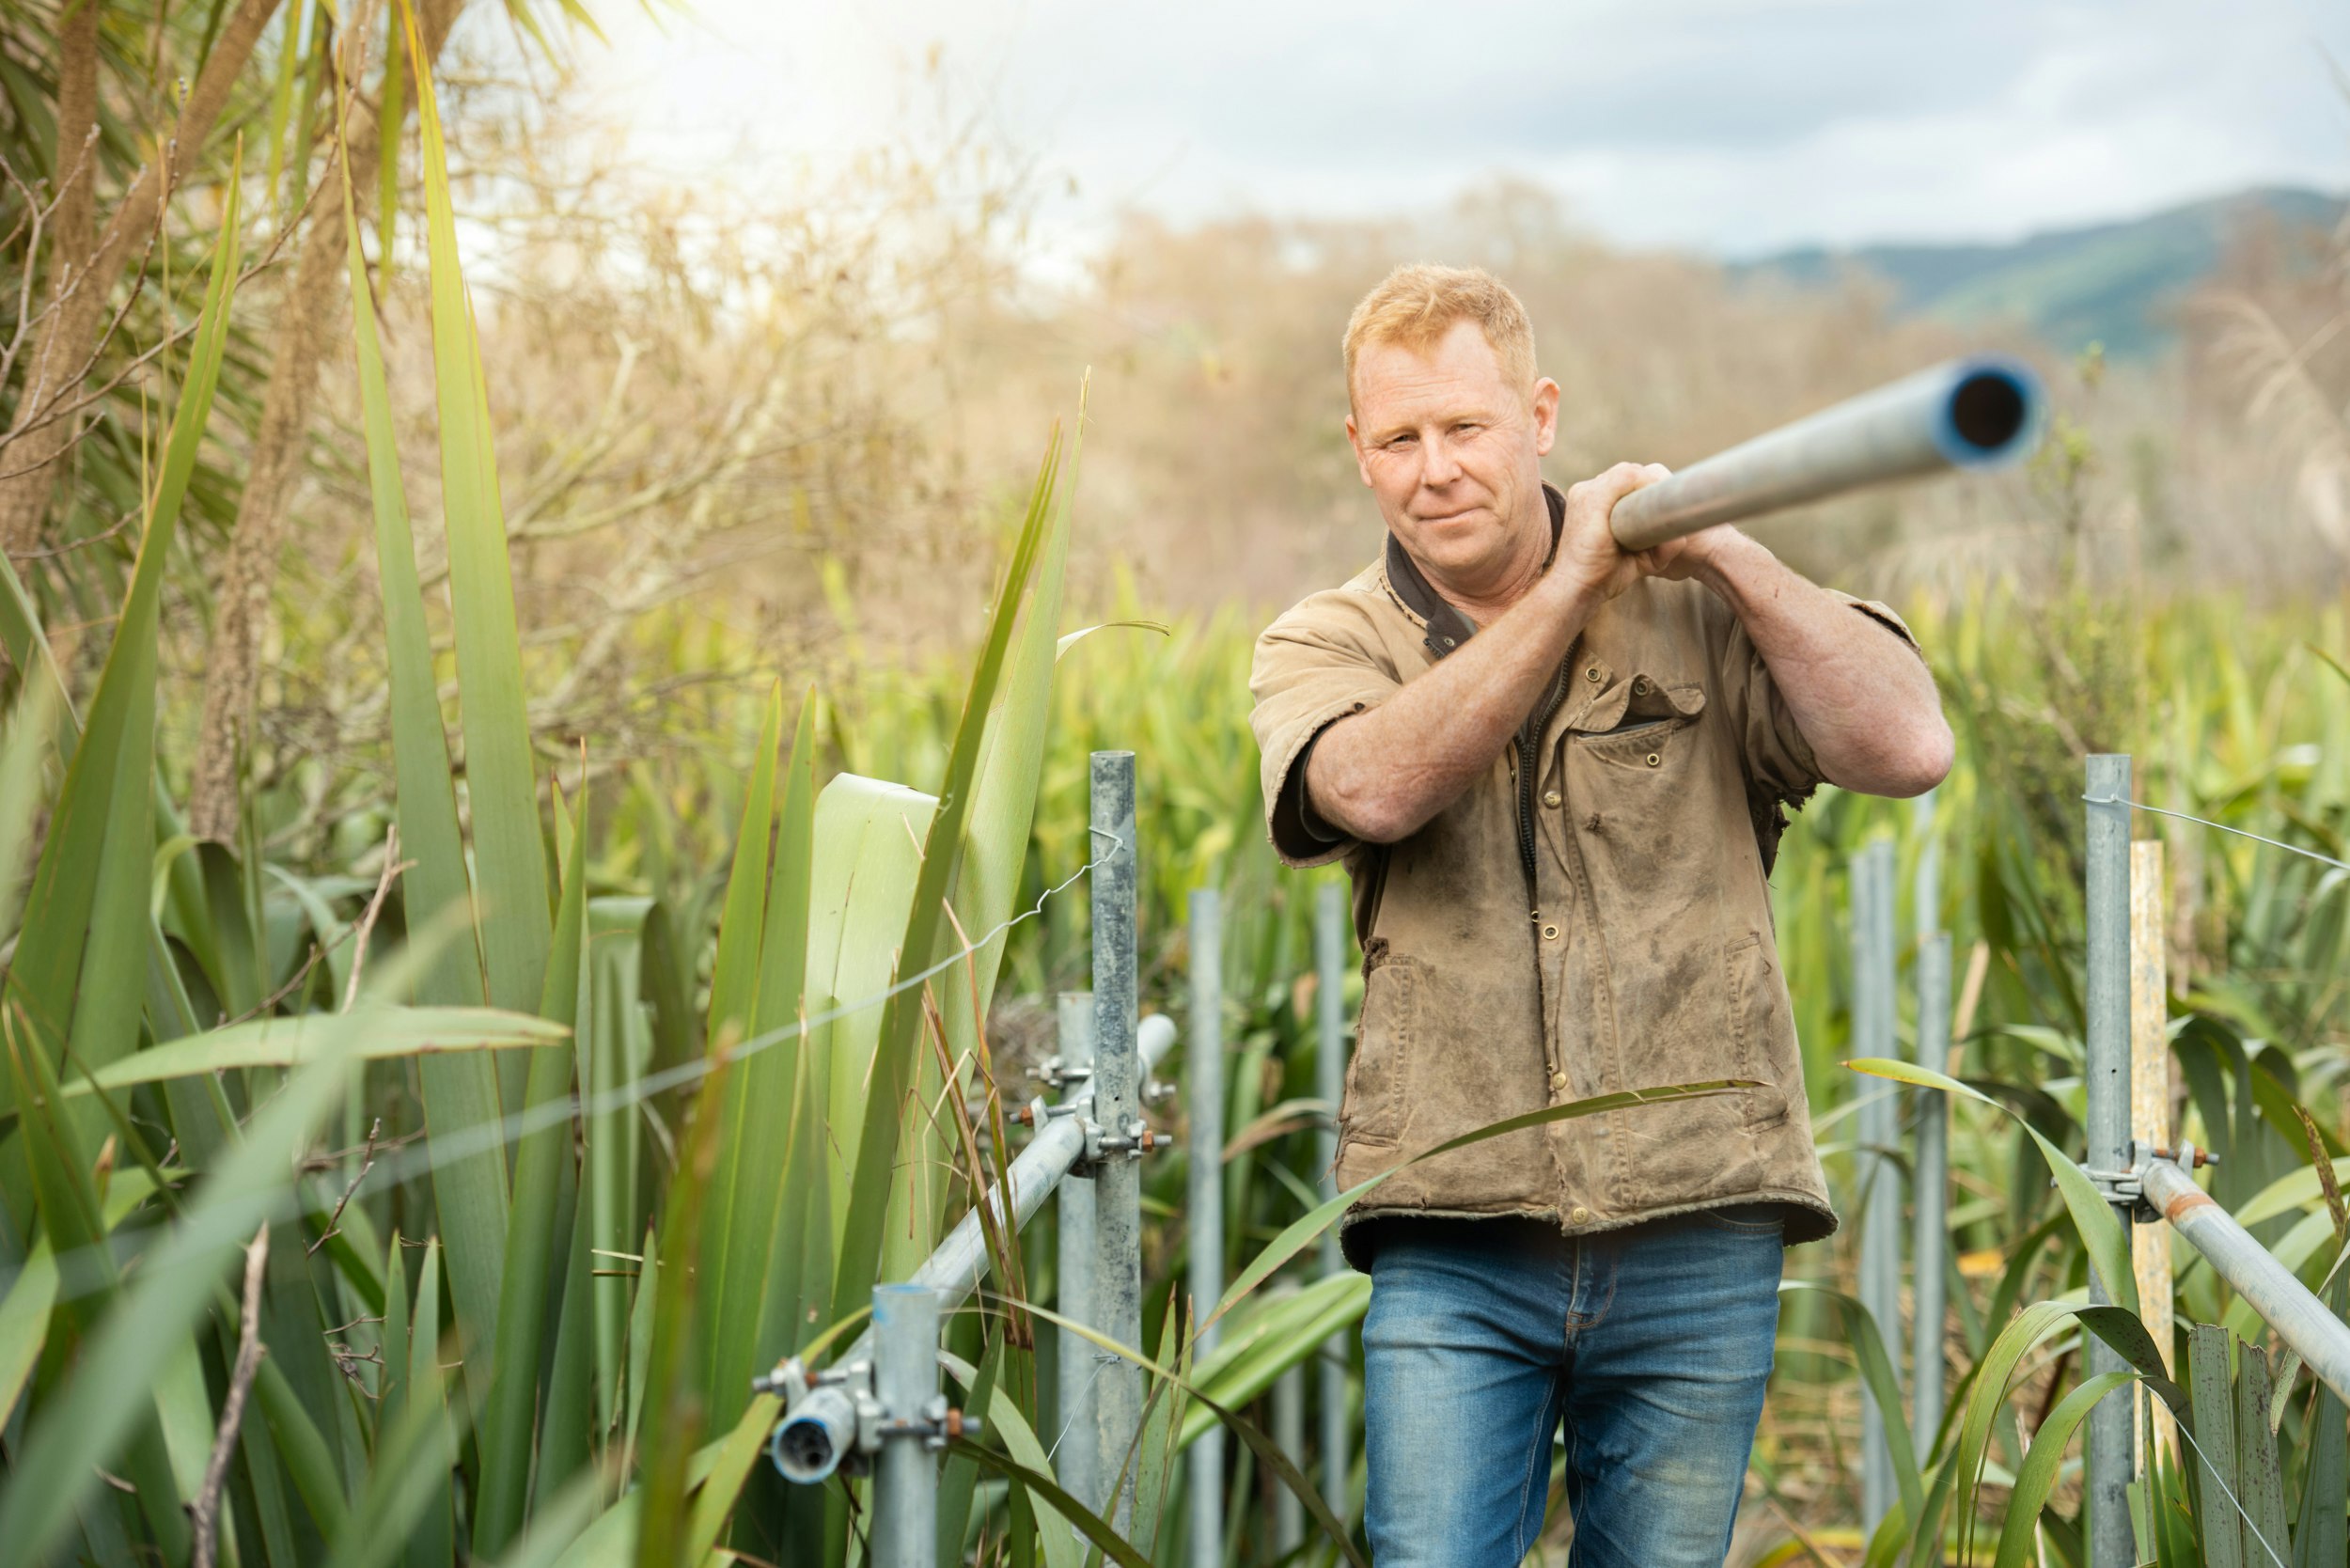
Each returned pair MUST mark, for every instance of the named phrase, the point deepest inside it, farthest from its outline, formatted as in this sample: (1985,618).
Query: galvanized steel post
(2109,1456)
(1073,1438)
(1930,1237)
(1330,921)
(1203,1100)
(1117,1108)
(1872,923)
(905,1382)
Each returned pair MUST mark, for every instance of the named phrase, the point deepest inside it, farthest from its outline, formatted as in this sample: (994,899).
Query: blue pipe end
(1992,414)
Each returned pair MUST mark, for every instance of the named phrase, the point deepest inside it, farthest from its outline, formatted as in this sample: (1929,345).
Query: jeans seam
(1539,1450)
(1607,1302)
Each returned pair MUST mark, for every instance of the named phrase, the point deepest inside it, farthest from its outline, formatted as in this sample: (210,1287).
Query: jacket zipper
(1529,744)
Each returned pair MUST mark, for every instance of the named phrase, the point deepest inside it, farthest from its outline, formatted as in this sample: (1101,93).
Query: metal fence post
(1930,1236)
(1117,1108)
(1203,1098)
(1929,1249)
(2109,1454)
(1877,1127)
(905,1381)
(1072,1447)
(1330,922)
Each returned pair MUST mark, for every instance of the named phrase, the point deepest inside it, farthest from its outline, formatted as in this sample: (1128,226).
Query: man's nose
(1438,465)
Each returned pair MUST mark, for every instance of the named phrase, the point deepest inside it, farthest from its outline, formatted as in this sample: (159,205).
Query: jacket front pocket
(1388,1031)
(1765,1031)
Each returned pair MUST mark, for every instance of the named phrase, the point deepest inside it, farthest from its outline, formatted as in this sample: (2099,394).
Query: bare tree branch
(204,1512)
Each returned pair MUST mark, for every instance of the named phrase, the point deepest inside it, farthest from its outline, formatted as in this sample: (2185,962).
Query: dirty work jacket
(1632,816)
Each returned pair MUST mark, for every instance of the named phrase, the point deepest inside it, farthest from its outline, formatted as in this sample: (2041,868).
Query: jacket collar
(1448,628)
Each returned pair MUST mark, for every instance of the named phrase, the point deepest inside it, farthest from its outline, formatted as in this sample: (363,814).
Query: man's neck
(1491,596)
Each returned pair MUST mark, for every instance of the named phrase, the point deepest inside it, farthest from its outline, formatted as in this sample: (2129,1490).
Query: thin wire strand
(430,1154)
(2223,828)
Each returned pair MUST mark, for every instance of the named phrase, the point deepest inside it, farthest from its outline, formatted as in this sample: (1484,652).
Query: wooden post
(2150,1096)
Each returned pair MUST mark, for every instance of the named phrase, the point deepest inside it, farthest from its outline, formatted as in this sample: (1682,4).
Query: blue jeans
(1653,1344)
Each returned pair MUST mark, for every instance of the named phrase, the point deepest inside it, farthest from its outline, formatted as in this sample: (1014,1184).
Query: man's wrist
(1566,596)
(1733,563)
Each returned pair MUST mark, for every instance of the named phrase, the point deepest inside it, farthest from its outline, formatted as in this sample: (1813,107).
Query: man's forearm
(1380,775)
(1863,698)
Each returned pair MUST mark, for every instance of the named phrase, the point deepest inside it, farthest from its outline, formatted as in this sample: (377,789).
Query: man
(1556,773)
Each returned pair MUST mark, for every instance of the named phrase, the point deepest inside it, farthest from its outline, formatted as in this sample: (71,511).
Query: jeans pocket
(1747,1219)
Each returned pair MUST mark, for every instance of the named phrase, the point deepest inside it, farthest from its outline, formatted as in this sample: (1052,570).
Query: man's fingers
(1605,489)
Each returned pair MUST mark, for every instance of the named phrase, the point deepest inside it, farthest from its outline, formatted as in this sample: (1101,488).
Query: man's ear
(1361,467)
(1545,416)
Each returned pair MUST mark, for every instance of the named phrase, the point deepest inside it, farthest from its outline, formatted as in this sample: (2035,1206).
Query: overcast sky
(1728,126)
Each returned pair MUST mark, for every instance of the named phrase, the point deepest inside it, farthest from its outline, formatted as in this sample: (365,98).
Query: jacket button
(1551,798)
(1579,1215)
(1591,674)
(1550,933)
(1654,761)
(1639,687)
(1557,1080)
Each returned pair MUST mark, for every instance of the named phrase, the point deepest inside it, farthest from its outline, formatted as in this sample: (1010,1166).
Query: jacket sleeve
(1318,664)
(1780,767)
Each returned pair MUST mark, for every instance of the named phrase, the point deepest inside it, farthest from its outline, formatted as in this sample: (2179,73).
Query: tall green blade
(469,1193)
(510,859)
(160,1309)
(734,979)
(531,1241)
(751,1167)
(928,932)
(84,930)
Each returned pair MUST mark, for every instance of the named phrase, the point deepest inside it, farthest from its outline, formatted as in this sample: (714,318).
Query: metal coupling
(834,1422)
(831,1421)
(2121,1187)
(1060,1072)
(1131,1139)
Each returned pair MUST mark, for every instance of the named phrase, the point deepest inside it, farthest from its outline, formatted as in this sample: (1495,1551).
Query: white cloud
(1729,125)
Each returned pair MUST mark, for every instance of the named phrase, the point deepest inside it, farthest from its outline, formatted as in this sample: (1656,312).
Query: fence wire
(2205,821)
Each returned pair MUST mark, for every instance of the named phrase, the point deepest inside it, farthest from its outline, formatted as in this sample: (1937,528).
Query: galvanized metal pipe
(905,1381)
(1930,1237)
(1072,1209)
(962,1261)
(1966,414)
(815,1433)
(2109,1456)
(1877,1127)
(1118,1107)
(1203,1100)
(1330,923)
(1930,1203)
(2303,1322)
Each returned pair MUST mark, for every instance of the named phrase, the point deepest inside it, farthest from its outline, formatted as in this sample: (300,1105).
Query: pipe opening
(804,1450)
(1988,408)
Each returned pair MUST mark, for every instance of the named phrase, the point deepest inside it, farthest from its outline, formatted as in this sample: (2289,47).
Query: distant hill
(2118,283)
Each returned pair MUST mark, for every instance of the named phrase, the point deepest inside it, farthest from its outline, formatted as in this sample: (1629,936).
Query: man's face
(1452,451)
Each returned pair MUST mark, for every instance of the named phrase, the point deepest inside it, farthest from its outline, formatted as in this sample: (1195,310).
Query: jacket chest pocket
(1649,743)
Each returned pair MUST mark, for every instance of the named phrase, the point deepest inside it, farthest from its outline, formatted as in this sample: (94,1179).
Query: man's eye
(1399,442)
(1467,428)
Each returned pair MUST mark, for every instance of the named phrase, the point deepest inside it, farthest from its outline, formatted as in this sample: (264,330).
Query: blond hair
(1414,306)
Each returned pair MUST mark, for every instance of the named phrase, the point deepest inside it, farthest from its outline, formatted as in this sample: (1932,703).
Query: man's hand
(1588,558)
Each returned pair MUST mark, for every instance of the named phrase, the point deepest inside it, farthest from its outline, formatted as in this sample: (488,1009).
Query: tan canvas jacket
(1657,781)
